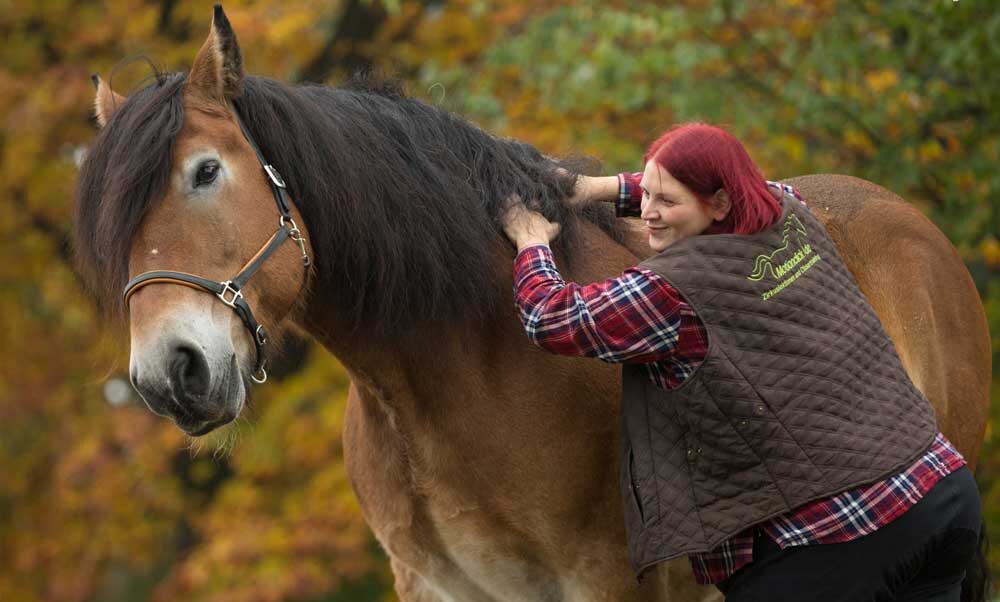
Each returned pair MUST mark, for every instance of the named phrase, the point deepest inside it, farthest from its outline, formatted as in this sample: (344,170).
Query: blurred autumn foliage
(104,501)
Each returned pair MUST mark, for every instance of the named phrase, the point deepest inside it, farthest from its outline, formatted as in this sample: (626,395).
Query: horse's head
(193,352)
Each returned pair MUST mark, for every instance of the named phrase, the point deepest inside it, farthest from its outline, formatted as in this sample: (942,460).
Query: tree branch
(358,23)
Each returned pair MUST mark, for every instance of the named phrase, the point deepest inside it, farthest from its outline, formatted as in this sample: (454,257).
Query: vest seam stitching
(760,460)
(758,314)
(794,391)
(882,379)
(788,506)
(690,468)
(652,464)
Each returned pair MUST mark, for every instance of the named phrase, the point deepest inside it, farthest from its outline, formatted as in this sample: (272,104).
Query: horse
(484,466)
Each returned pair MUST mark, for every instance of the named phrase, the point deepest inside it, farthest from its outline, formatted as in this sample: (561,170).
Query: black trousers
(921,555)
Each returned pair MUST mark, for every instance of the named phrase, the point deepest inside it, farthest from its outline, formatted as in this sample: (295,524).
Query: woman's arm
(635,318)
(594,188)
(624,190)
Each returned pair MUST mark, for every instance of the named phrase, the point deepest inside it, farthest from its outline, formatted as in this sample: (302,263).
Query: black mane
(402,199)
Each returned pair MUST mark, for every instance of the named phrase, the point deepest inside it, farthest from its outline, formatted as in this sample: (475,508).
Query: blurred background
(100,500)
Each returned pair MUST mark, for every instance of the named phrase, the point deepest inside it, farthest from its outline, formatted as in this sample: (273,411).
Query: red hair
(706,158)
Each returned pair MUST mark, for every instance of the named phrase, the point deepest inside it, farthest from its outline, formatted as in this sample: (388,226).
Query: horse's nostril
(189,371)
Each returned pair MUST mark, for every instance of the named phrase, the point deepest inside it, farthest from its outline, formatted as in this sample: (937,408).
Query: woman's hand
(525,227)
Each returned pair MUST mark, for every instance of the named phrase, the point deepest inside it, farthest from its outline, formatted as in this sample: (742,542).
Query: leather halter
(230,291)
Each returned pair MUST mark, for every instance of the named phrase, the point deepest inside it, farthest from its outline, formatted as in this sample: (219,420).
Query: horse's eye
(206,174)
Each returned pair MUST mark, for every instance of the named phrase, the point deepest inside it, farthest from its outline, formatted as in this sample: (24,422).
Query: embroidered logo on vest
(787,262)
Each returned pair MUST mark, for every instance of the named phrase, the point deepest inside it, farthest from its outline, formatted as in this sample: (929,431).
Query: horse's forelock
(125,170)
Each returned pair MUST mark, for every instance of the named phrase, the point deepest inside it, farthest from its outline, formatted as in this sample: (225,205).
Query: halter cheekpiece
(230,291)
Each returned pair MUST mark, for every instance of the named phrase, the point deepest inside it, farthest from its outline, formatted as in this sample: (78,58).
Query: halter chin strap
(230,291)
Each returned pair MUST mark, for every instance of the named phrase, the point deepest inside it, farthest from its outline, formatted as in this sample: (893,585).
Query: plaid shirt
(639,318)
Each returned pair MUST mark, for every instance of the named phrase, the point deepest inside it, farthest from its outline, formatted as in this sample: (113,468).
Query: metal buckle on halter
(296,235)
(260,334)
(227,287)
(274,175)
(263,377)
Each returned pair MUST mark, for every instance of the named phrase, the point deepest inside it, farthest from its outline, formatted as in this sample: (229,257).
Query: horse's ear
(217,73)
(106,101)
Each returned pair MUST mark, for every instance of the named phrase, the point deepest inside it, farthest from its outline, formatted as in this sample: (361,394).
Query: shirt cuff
(629,200)
(528,261)
(534,246)
(527,254)
(784,189)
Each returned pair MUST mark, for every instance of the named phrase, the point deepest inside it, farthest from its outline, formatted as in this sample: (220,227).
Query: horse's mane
(402,199)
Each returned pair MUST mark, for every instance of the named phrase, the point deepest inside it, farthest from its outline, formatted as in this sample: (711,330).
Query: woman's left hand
(525,227)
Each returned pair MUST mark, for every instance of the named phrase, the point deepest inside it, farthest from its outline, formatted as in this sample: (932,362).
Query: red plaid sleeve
(635,318)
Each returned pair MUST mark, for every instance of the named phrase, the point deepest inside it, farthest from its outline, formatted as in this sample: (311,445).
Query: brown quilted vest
(800,397)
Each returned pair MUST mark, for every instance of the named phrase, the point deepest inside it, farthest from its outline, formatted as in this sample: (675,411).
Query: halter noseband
(230,291)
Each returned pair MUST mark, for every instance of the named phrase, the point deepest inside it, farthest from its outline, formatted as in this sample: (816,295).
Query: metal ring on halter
(262,379)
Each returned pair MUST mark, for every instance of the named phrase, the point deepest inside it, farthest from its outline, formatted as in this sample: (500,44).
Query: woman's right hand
(526,227)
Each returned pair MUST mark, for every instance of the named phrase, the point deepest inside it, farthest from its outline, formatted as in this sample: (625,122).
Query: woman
(769,430)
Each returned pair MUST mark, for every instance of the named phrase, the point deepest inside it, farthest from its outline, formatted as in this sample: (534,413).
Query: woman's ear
(720,205)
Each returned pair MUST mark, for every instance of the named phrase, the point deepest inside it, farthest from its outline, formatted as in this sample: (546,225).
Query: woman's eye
(206,173)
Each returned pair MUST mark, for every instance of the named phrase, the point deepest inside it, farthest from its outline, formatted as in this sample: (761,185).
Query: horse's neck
(457,368)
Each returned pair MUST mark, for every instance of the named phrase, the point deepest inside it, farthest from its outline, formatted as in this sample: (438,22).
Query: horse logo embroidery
(787,262)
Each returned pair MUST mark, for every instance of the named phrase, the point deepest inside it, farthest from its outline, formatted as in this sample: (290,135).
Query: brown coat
(801,396)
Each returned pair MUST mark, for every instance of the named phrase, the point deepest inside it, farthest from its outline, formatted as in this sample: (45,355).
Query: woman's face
(671,211)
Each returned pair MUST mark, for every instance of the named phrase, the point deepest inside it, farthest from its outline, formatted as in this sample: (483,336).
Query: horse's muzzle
(184,387)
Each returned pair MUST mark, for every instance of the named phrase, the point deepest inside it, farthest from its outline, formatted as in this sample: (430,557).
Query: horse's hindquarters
(922,293)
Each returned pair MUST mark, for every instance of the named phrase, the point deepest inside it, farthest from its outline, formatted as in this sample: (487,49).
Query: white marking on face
(197,325)
(154,251)
(185,179)
(209,330)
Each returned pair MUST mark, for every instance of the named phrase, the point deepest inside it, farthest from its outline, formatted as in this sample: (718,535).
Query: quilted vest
(801,395)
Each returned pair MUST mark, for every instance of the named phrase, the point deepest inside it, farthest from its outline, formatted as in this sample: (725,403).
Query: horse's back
(921,291)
